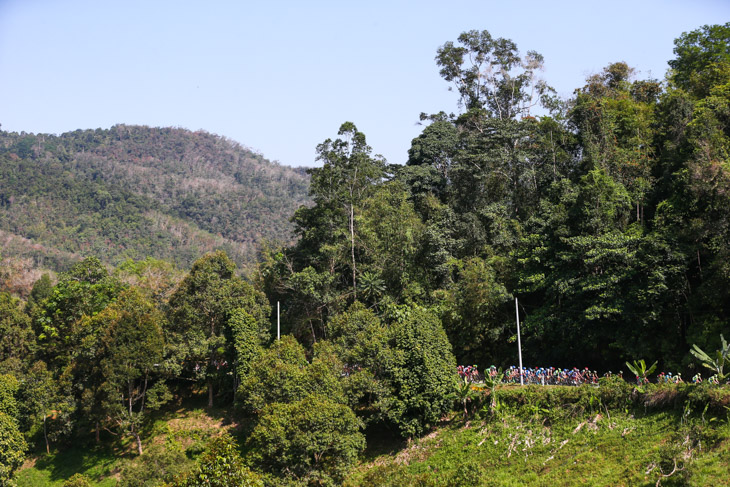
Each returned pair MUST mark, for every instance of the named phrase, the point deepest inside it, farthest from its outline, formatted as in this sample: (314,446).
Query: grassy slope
(533,446)
(545,437)
(189,429)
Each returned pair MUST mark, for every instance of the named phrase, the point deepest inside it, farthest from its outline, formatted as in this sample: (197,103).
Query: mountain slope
(134,191)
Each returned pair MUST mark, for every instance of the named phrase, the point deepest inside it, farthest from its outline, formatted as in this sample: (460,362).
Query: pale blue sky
(281,76)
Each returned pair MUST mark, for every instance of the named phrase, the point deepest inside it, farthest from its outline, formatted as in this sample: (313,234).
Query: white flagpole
(519,342)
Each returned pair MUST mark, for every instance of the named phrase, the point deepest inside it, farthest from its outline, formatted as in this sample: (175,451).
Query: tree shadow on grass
(94,462)
(382,440)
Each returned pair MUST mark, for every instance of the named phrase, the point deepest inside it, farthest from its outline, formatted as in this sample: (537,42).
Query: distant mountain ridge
(136,191)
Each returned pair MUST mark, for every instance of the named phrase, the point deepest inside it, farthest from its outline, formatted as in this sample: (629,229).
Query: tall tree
(348,174)
(698,53)
(130,350)
(199,313)
(16,335)
(84,291)
(490,74)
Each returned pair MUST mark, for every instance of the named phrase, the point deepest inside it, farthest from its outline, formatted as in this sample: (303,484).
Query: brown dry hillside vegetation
(135,191)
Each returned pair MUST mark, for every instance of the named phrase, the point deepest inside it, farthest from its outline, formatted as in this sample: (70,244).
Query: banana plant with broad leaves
(465,392)
(491,381)
(716,364)
(639,369)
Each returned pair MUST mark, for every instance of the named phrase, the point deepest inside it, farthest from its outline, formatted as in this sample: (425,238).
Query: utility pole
(519,342)
(278,322)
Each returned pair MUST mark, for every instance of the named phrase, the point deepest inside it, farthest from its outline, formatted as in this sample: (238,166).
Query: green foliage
(247,340)
(607,218)
(16,335)
(135,191)
(220,466)
(199,312)
(314,440)
(716,363)
(12,448)
(40,397)
(389,243)
(8,389)
(131,347)
(41,290)
(282,374)
(573,445)
(696,53)
(473,311)
(486,73)
(156,277)
(465,393)
(358,335)
(418,369)
(82,292)
(402,373)
(159,463)
(78,480)
(641,371)
(491,381)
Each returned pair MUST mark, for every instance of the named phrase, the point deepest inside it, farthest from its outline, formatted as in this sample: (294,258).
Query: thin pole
(278,322)
(519,342)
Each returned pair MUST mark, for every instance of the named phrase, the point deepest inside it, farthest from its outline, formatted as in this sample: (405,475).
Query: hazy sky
(281,76)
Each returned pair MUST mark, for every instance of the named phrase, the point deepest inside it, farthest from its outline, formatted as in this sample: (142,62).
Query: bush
(12,448)
(403,374)
(78,480)
(314,440)
(282,374)
(8,389)
(157,464)
(419,370)
(221,466)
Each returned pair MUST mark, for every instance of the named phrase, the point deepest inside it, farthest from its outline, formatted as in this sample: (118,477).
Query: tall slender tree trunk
(210,394)
(352,248)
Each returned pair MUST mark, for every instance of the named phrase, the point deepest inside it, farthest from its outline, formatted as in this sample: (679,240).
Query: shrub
(12,448)
(314,440)
(159,462)
(418,369)
(221,466)
(78,480)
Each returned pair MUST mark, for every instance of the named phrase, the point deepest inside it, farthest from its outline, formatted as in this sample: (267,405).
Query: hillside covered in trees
(134,192)
(605,214)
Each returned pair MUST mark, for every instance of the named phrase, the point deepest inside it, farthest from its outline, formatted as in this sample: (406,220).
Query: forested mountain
(135,191)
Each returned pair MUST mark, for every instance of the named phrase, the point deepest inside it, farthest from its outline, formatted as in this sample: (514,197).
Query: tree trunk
(138,440)
(210,395)
(45,435)
(98,435)
(352,248)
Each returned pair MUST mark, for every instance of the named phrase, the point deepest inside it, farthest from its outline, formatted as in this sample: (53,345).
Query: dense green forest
(606,215)
(137,192)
